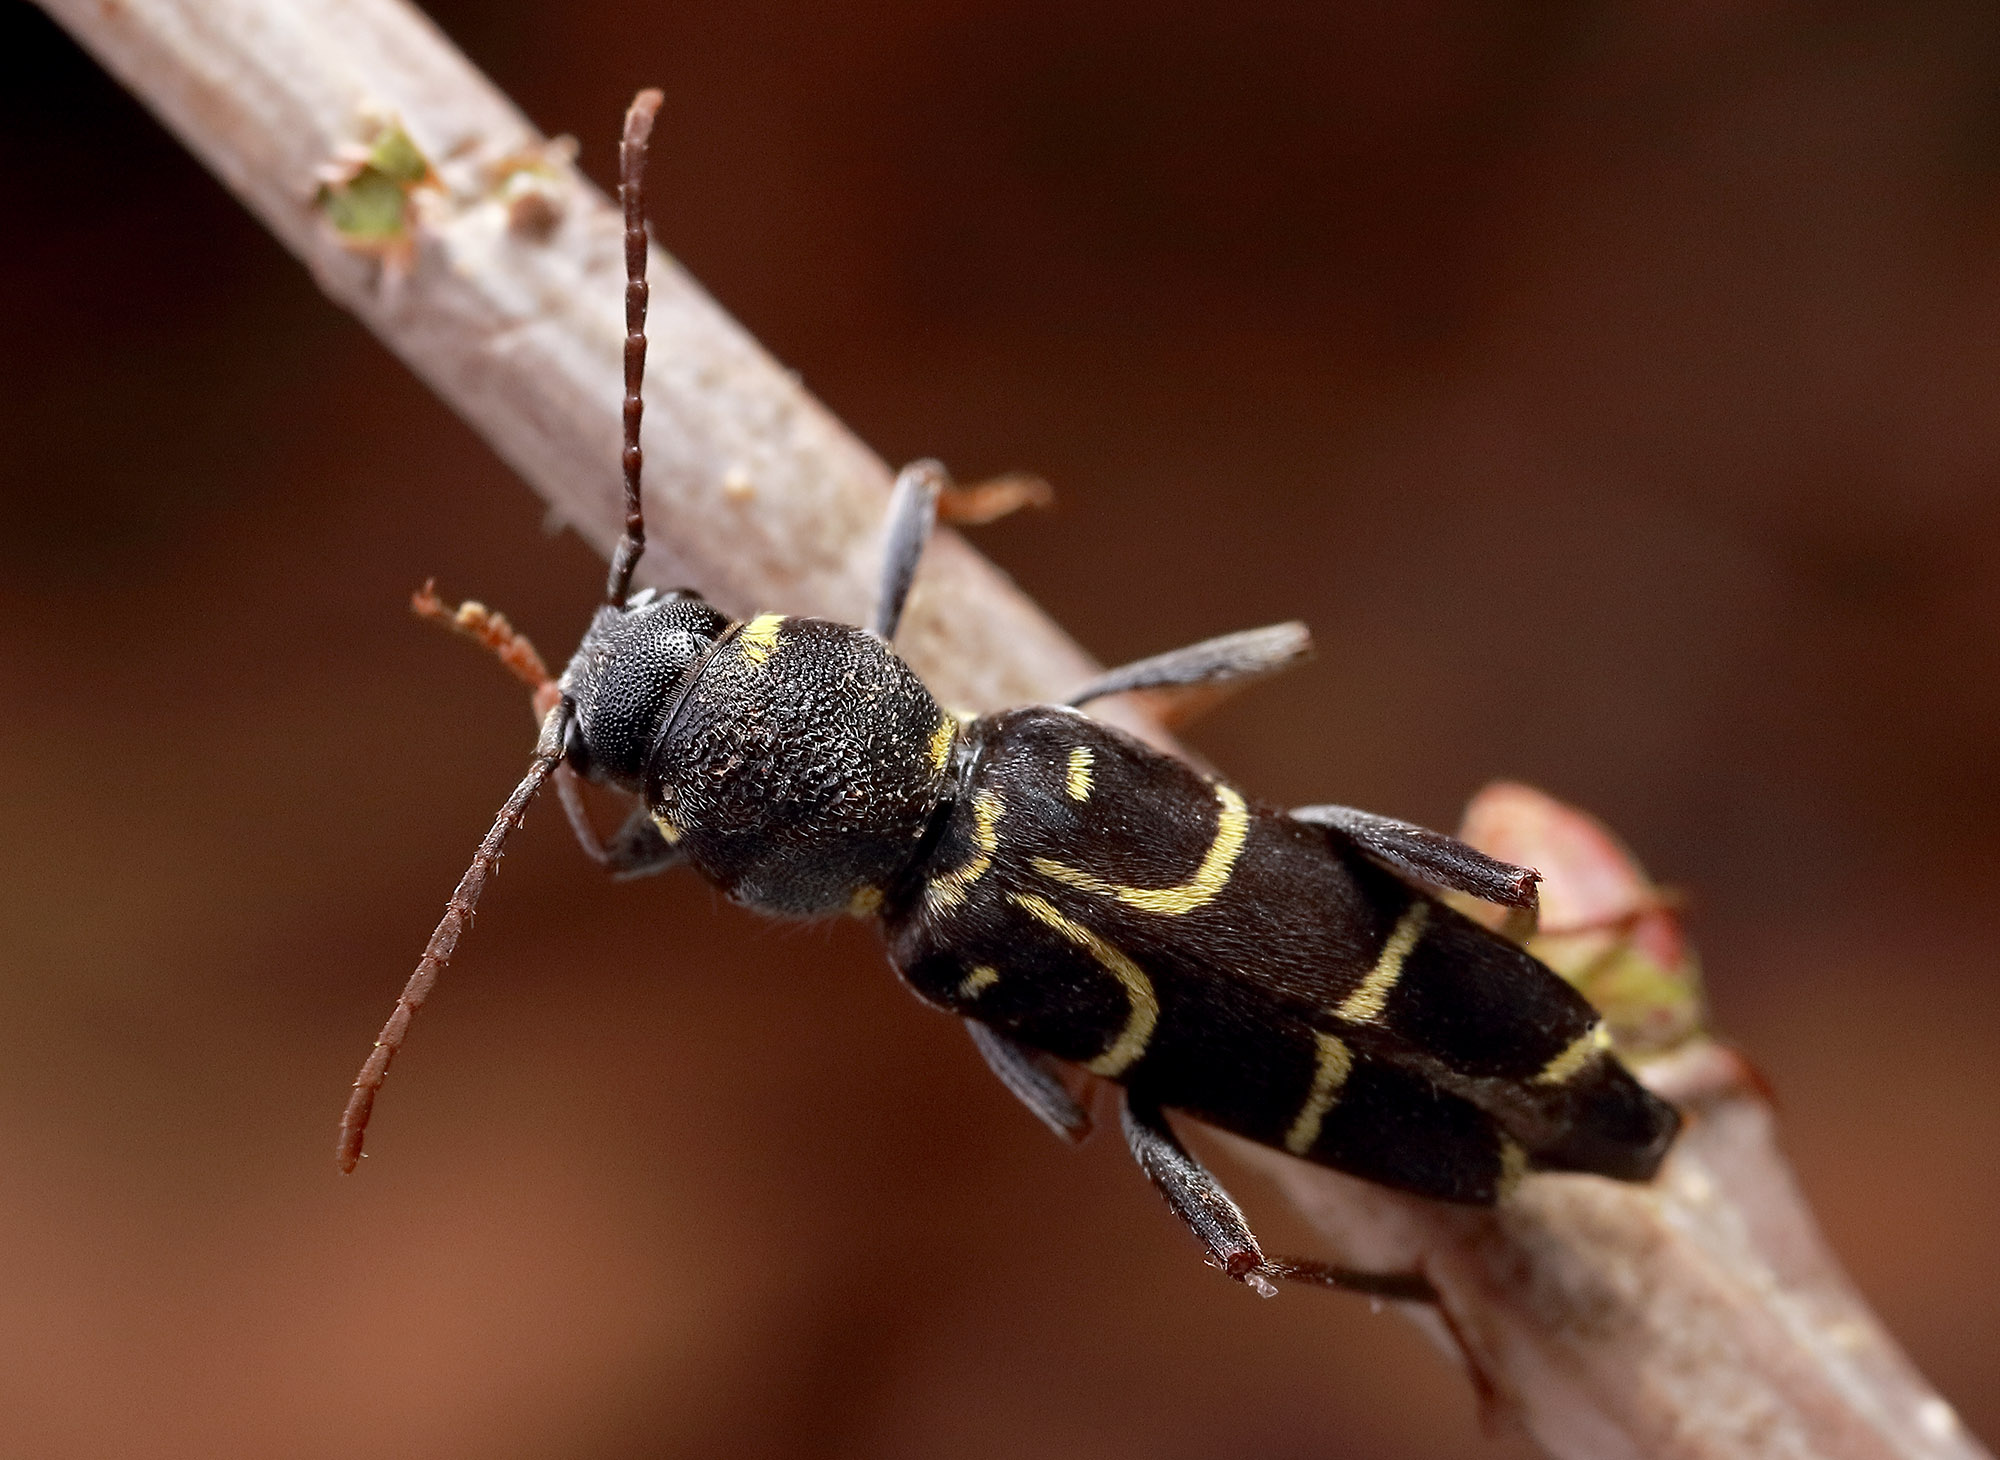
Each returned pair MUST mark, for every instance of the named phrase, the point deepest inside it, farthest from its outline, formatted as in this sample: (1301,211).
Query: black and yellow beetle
(1075,896)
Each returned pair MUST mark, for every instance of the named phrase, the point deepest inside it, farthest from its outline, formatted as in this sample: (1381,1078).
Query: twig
(1700,1317)
(501,283)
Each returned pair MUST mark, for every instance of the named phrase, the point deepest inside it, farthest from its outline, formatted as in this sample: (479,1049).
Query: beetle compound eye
(575,750)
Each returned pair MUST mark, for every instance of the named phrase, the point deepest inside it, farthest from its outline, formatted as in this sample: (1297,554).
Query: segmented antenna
(437,953)
(490,628)
(632,194)
(478,622)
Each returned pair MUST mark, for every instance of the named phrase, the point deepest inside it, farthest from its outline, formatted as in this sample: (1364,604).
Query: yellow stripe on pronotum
(1145,1011)
(1077,784)
(1232,825)
(1365,1004)
(948,889)
(981,978)
(941,739)
(1335,1063)
(760,637)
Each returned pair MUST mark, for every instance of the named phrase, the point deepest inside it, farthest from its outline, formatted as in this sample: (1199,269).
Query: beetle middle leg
(1198,1199)
(1235,659)
(1031,1082)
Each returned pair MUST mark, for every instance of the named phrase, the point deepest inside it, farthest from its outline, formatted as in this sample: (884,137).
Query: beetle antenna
(437,953)
(632,194)
(489,627)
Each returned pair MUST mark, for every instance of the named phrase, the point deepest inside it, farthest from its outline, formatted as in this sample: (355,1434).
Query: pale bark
(753,490)
(1698,1317)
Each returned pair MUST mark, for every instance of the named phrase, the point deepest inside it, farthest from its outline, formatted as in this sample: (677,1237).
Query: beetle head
(627,674)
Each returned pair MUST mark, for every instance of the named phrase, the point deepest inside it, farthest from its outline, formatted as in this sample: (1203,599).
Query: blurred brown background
(1613,388)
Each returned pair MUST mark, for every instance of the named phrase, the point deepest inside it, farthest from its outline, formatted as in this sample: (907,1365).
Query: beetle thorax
(802,767)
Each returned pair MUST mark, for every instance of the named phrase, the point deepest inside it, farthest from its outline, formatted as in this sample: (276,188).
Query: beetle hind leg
(1208,1211)
(1432,857)
(1393,1287)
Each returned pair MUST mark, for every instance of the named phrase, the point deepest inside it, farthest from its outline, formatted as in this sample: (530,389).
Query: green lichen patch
(368,200)
(1649,1006)
(1605,925)
(396,157)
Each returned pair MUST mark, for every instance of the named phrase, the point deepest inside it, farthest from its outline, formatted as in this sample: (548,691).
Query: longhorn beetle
(1076,897)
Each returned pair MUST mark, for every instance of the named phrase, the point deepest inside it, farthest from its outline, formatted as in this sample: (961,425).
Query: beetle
(1078,898)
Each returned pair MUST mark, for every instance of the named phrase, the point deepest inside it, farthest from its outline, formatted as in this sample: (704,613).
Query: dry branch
(1701,1317)
(503,290)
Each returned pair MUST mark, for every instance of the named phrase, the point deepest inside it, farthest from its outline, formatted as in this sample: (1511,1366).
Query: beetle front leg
(923,496)
(639,849)
(913,506)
